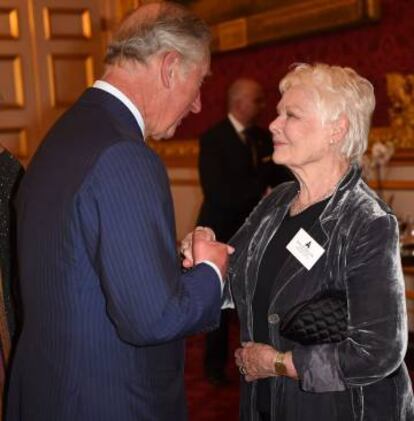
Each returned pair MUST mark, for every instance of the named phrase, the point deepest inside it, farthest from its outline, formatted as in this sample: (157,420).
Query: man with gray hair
(105,303)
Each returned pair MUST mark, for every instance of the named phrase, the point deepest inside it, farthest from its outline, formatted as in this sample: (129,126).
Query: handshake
(201,245)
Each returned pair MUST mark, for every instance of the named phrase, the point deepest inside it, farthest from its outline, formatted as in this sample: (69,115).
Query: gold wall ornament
(401,92)
(177,153)
(400,132)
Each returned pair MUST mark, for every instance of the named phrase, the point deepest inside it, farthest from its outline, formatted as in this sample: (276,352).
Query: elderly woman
(316,276)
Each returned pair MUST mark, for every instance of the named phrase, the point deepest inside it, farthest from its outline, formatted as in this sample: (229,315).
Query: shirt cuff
(228,304)
(214,266)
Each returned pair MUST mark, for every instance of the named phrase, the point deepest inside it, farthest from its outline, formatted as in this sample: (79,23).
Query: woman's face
(299,137)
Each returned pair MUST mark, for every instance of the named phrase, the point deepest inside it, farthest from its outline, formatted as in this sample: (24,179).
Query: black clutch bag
(320,320)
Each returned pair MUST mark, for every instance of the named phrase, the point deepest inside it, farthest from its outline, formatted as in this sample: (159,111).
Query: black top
(10,175)
(270,266)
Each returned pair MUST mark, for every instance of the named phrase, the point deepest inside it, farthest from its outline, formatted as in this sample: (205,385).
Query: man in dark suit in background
(105,304)
(236,170)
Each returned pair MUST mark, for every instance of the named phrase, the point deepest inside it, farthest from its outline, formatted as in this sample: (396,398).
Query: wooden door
(18,108)
(51,50)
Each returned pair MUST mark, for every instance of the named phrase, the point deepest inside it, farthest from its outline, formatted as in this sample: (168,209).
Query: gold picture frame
(241,23)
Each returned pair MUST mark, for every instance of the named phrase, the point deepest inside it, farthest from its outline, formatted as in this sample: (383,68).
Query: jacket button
(273,318)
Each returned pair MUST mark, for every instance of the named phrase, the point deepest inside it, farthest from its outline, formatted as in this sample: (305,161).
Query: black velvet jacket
(362,377)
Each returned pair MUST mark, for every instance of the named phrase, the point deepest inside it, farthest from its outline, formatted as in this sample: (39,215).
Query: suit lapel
(258,245)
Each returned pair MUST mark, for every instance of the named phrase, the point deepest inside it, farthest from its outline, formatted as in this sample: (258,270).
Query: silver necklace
(296,208)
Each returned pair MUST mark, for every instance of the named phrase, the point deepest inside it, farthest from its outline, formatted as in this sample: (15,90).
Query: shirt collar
(107,87)
(236,124)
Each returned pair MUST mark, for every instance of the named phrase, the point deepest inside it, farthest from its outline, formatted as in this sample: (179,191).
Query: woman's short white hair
(173,28)
(338,91)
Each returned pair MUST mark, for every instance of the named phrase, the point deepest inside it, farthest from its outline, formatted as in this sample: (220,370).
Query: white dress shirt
(107,87)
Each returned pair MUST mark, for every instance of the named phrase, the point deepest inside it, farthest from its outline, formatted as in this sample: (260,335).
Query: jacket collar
(116,109)
(345,185)
(321,228)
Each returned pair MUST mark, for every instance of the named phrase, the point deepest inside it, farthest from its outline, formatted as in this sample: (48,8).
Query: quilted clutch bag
(320,320)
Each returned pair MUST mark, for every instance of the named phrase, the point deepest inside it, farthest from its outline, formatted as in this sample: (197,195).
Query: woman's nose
(275,126)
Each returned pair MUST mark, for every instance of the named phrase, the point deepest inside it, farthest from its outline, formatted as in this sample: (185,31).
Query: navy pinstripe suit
(105,304)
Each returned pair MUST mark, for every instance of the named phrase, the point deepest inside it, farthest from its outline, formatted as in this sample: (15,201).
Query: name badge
(305,249)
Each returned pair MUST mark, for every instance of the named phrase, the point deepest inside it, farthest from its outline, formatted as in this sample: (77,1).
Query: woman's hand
(256,361)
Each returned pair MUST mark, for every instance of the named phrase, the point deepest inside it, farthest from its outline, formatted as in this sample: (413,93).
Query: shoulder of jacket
(279,196)
(366,202)
(216,129)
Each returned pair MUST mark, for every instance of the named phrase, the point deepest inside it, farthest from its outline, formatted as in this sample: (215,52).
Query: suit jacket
(231,184)
(105,303)
(364,375)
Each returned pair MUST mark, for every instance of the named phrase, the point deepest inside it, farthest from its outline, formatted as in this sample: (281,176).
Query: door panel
(18,119)
(50,51)
(68,44)
(69,51)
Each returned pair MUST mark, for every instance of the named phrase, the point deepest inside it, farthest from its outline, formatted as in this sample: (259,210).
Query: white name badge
(305,249)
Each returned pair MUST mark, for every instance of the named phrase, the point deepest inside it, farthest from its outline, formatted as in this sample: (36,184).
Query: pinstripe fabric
(105,304)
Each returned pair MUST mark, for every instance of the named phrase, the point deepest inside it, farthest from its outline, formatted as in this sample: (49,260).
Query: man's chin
(168,134)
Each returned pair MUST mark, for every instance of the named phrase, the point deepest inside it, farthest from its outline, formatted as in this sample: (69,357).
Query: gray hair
(172,28)
(338,91)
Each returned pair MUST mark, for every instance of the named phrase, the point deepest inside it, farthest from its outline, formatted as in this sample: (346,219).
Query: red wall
(373,50)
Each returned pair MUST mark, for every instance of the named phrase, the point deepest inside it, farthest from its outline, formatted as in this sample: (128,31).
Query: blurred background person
(10,174)
(316,276)
(236,170)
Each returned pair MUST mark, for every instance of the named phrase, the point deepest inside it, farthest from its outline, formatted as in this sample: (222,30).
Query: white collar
(107,87)
(236,124)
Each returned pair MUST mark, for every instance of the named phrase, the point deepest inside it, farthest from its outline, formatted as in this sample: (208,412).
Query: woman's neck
(316,184)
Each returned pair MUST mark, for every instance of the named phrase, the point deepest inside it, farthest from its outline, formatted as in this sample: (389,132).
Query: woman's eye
(290,115)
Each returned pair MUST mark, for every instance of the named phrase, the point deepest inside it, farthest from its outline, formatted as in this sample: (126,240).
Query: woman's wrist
(283,365)
(290,367)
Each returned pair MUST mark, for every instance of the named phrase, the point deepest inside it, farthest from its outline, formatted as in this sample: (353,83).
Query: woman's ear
(169,67)
(339,128)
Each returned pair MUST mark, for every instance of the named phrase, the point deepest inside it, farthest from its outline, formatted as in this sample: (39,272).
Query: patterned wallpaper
(373,50)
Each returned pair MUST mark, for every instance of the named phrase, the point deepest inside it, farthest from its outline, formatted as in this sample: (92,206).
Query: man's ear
(169,67)
(339,129)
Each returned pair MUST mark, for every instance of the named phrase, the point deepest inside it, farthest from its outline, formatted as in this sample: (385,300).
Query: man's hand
(200,245)
(267,191)
(186,248)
